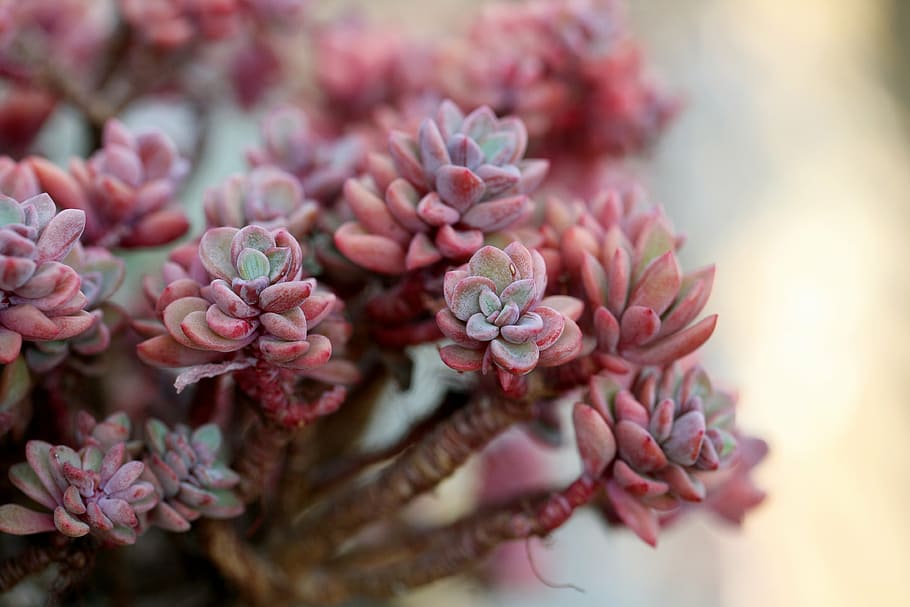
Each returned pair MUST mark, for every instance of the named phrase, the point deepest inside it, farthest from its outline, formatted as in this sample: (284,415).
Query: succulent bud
(497,317)
(91,491)
(189,475)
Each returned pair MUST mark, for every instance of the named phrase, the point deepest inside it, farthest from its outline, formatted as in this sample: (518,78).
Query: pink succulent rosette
(321,163)
(497,317)
(568,69)
(625,260)
(252,303)
(267,196)
(170,24)
(94,490)
(667,432)
(40,296)
(188,472)
(459,179)
(100,275)
(127,189)
(360,67)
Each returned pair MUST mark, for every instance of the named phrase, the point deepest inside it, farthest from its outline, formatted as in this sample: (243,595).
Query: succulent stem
(434,458)
(37,558)
(257,579)
(450,549)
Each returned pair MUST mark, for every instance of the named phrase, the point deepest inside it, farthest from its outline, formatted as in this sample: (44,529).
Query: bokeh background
(790,168)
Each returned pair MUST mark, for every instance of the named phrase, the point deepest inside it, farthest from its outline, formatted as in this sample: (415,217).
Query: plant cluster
(455,202)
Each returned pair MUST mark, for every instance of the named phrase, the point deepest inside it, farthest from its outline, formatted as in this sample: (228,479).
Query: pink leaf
(17,520)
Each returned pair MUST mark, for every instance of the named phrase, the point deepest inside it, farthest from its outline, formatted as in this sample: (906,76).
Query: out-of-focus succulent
(360,67)
(189,475)
(253,299)
(170,24)
(642,304)
(668,429)
(321,163)
(267,196)
(24,111)
(90,491)
(568,69)
(277,12)
(40,297)
(126,189)
(734,493)
(15,382)
(100,274)
(498,320)
(460,178)
(17,179)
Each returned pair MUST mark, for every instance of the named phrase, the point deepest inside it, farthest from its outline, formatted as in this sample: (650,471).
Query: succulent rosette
(100,274)
(643,305)
(253,301)
(498,320)
(170,24)
(18,179)
(90,491)
(267,196)
(40,297)
(127,189)
(668,429)
(322,164)
(187,470)
(569,69)
(360,68)
(459,179)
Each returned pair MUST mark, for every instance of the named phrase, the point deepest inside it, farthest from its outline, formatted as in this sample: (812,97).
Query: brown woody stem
(282,415)
(260,582)
(450,549)
(434,458)
(37,558)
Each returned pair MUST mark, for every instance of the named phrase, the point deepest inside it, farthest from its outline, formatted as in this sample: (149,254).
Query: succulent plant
(170,24)
(40,297)
(360,67)
(733,492)
(189,475)
(253,299)
(267,196)
(498,320)
(568,69)
(322,164)
(100,274)
(105,434)
(642,304)
(91,491)
(17,179)
(667,430)
(462,177)
(126,189)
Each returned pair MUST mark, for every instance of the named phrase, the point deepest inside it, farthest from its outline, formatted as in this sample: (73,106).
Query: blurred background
(790,168)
